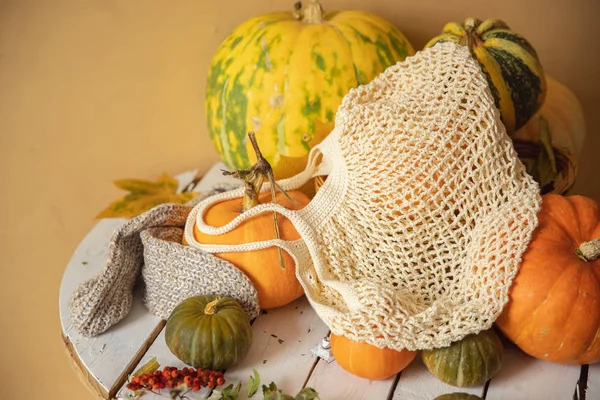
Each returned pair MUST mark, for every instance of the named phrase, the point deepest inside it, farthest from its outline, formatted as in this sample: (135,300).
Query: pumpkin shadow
(516,362)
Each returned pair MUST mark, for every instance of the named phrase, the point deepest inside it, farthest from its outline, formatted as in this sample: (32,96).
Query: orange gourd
(276,286)
(367,361)
(553,312)
(271,270)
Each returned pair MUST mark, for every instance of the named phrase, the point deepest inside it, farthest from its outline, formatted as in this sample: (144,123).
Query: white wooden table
(281,349)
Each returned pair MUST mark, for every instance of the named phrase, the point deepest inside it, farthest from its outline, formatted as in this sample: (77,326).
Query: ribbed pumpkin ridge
(290,97)
(509,62)
(214,340)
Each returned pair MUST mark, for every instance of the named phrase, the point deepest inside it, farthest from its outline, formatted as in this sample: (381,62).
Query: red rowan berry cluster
(172,377)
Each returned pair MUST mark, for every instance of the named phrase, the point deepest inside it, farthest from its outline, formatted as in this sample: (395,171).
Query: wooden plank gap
(393,387)
(313,366)
(317,360)
(485,388)
(129,369)
(82,372)
(582,384)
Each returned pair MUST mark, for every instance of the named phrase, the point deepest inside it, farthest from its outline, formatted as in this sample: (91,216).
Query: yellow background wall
(95,90)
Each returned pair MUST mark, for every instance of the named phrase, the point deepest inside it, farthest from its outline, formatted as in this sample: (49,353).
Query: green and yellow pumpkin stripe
(391,41)
(527,89)
(491,24)
(523,70)
(371,44)
(500,91)
(267,90)
(444,37)
(511,37)
(454,28)
(319,75)
(284,79)
(509,63)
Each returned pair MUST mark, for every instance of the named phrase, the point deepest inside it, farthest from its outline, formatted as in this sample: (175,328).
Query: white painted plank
(523,377)
(280,352)
(417,383)
(106,356)
(185,179)
(215,176)
(280,349)
(593,388)
(165,358)
(334,383)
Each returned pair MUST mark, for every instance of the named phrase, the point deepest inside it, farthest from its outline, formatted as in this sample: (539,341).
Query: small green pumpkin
(510,64)
(209,332)
(468,362)
(458,396)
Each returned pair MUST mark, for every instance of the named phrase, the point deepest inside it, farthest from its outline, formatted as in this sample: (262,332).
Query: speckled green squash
(468,362)
(458,396)
(510,63)
(283,76)
(209,332)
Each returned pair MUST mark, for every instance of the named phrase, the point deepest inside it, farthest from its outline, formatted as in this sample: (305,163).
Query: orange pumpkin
(275,286)
(553,312)
(367,361)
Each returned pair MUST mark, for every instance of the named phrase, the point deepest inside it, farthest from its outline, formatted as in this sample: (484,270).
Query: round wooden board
(281,349)
(84,376)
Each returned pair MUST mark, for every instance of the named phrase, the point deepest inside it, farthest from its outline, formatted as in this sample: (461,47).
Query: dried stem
(589,251)
(253,180)
(311,12)
(211,308)
(470,39)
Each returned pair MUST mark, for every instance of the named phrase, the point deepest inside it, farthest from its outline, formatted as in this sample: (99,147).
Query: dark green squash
(458,396)
(510,64)
(468,362)
(209,332)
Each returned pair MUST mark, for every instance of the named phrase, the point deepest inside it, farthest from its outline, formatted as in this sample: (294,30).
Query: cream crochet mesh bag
(415,236)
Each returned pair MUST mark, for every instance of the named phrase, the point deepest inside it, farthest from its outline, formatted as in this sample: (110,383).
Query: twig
(253,179)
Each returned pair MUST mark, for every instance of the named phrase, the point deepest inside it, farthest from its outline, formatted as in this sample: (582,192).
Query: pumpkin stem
(211,308)
(253,180)
(470,38)
(254,177)
(312,13)
(589,251)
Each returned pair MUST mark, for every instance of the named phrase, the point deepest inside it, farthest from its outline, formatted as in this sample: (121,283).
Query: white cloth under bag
(417,233)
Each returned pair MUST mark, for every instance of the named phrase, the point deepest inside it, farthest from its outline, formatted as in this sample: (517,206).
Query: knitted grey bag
(150,244)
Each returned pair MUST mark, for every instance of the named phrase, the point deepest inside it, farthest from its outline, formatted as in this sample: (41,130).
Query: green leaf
(233,393)
(228,393)
(253,383)
(175,393)
(547,173)
(272,388)
(216,395)
(272,393)
(307,394)
(151,366)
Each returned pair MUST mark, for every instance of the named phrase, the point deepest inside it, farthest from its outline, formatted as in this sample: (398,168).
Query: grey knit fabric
(172,272)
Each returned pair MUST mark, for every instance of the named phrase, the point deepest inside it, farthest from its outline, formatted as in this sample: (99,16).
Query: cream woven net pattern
(438,208)
(417,233)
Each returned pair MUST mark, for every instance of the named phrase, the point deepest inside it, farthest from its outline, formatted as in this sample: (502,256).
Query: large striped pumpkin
(510,63)
(283,76)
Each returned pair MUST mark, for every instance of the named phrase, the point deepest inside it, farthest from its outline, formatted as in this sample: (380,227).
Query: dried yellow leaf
(144,195)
